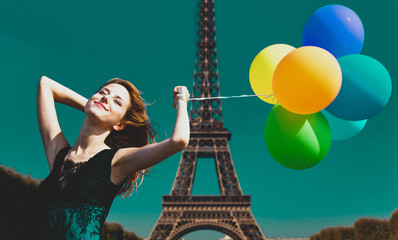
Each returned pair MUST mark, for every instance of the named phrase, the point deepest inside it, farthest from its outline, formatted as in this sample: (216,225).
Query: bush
(18,205)
(112,231)
(371,229)
(364,229)
(327,234)
(115,231)
(344,233)
(315,237)
(394,225)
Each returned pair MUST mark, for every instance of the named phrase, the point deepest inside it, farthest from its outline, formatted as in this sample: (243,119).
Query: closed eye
(117,102)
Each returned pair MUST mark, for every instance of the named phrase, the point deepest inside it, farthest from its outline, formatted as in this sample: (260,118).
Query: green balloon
(297,141)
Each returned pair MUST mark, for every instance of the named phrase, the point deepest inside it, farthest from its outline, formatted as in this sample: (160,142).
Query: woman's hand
(180,94)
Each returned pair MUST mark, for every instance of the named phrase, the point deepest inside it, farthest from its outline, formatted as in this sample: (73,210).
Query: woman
(111,152)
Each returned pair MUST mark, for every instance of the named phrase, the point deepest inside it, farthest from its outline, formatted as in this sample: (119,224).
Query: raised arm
(129,160)
(48,92)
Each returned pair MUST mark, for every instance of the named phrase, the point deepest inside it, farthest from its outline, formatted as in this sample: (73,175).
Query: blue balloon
(335,28)
(365,89)
(343,129)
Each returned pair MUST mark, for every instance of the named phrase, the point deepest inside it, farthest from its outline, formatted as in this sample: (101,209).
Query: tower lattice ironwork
(229,212)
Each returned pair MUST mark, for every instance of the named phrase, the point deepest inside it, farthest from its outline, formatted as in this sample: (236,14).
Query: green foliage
(371,229)
(394,225)
(19,212)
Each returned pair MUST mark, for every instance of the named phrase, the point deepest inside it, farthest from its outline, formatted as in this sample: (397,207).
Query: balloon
(365,90)
(296,141)
(307,80)
(343,129)
(335,28)
(263,67)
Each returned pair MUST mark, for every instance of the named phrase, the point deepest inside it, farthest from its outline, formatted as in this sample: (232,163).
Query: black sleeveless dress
(76,197)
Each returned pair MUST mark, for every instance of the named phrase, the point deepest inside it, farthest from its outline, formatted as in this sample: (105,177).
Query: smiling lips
(101,105)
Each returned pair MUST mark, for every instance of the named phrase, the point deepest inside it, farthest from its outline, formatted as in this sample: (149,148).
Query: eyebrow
(109,91)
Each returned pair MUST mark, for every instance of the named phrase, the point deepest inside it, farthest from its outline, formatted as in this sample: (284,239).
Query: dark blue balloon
(335,28)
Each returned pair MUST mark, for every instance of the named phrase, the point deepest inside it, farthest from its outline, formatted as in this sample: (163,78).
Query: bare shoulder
(122,154)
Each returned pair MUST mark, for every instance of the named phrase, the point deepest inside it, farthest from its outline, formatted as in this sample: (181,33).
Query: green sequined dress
(76,197)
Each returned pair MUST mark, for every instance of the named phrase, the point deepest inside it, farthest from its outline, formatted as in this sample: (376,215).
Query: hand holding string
(180,94)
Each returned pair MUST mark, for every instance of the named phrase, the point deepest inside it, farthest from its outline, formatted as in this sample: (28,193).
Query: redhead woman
(115,147)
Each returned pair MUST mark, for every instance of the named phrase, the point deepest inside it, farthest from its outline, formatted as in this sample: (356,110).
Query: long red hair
(138,132)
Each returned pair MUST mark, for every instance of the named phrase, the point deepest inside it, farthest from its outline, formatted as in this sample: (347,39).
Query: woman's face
(109,105)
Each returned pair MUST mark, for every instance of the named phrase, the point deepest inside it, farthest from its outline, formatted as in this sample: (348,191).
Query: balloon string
(239,96)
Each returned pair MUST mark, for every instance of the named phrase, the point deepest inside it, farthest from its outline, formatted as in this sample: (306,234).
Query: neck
(91,138)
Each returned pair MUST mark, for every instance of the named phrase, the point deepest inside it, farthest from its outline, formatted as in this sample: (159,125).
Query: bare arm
(48,92)
(129,160)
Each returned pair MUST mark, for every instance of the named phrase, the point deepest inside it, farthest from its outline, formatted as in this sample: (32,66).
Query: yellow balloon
(263,67)
(307,80)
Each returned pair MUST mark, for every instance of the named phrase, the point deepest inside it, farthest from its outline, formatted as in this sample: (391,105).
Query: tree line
(363,229)
(19,209)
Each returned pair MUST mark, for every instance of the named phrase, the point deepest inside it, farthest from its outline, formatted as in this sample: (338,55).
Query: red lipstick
(102,105)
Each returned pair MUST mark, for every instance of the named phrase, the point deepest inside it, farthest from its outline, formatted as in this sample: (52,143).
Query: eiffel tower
(228,212)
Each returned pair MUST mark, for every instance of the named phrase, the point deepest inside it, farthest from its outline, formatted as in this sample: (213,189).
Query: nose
(105,99)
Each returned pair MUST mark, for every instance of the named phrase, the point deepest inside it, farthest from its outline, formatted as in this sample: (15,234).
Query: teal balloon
(343,129)
(297,141)
(365,89)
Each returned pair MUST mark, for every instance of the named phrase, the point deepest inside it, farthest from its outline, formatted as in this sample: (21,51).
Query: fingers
(180,89)
(180,93)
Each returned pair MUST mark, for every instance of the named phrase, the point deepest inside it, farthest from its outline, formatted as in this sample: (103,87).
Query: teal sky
(82,44)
